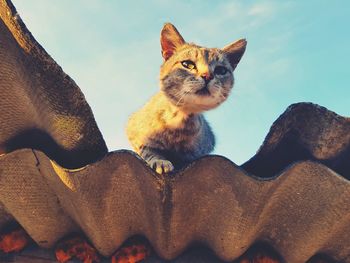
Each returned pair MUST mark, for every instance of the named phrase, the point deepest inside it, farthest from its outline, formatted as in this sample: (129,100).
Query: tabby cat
(170,130)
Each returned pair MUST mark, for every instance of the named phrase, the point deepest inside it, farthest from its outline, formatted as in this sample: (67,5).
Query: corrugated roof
(294,193)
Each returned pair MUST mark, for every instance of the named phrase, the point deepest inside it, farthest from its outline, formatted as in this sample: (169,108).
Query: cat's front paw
(161,166)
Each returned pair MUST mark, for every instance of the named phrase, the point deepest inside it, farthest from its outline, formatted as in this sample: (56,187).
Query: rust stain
(131,254)
(14,241)
(78,248)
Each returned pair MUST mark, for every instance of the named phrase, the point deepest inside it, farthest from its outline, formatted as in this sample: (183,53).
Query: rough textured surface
(42,107)
(304,131)
(303,211)
(300,207)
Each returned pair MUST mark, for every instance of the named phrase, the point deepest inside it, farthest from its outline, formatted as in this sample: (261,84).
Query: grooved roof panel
(56,176)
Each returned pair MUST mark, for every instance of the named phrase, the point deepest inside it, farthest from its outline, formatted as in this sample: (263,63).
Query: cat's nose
(207,76)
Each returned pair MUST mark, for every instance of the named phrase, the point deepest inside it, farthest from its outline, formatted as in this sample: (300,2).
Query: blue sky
(297,51)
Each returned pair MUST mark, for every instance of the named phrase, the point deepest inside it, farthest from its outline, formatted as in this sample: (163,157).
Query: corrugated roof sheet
(294,193)
(42,107)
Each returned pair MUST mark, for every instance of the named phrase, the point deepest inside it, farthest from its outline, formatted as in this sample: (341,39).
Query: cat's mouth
(203,91)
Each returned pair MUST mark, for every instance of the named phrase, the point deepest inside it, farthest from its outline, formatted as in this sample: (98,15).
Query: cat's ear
(235,51)
(170,39)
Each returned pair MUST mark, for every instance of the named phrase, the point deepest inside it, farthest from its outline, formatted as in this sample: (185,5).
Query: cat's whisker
(221,95)
(180,93)
(183,95)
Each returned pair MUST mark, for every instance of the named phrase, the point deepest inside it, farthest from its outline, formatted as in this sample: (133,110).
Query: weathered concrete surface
(301,212)
(305,131)
(41,106)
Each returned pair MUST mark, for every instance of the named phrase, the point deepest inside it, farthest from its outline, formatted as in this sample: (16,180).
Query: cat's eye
(220,70)
(188,64)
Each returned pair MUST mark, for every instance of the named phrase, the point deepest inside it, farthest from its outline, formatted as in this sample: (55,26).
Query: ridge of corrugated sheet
(41,106)
(303,211)
(305,131)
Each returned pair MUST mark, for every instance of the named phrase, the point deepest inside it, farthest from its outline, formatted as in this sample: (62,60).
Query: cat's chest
(184,135)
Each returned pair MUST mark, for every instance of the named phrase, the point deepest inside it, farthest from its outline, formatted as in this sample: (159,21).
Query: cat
(170,130)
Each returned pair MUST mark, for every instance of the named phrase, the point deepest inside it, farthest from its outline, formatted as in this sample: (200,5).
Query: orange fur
(156,116)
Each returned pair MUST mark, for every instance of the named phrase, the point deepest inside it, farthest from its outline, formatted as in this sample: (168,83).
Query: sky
(298,51)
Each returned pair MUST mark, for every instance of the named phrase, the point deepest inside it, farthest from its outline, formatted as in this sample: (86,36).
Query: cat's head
(196,78)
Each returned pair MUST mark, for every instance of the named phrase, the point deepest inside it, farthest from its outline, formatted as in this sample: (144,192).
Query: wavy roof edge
(305,131)
(45,109)
(119,197)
